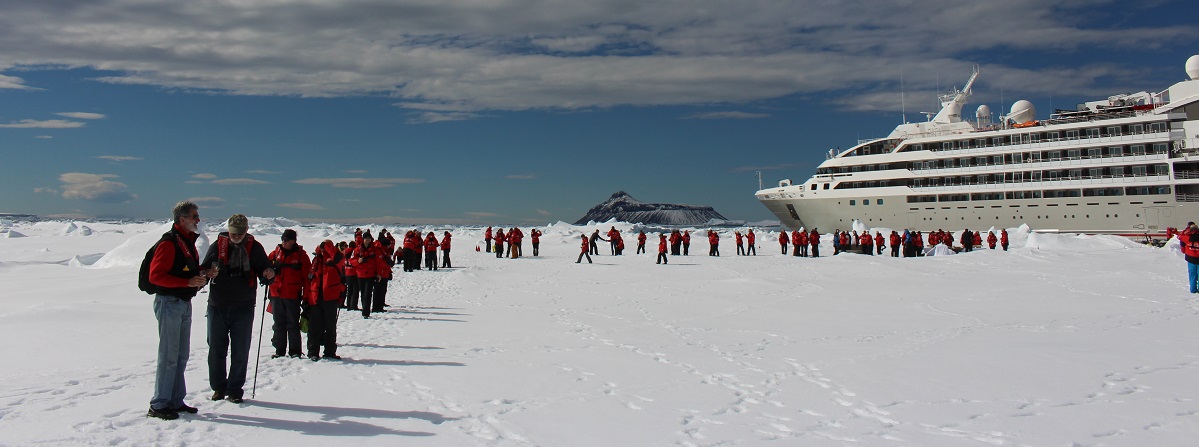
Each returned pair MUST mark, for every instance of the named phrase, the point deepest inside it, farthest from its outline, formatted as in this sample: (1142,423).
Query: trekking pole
(261,322)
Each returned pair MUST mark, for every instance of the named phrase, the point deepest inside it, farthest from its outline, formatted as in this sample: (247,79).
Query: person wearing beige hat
(240,263)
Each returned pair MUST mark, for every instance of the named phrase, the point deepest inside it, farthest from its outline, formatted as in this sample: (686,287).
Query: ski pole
(261,323)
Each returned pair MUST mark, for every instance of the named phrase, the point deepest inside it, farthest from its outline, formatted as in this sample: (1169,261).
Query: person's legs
(241,329)
(1193,275)
(218,349)
(366,287)
(174,345)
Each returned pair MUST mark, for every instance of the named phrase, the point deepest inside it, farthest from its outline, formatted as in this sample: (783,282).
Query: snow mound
(13,234)
(1079,242)
(133,250)
(69,229)
(84,230)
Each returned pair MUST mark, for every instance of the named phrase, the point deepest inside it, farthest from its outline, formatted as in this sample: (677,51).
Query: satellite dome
(983,111)
(1022,112)
(1193,67)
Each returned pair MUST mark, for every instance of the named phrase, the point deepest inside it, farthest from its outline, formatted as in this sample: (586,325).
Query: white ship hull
(1131,167)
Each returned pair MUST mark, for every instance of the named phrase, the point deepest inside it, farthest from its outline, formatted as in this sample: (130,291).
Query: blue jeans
(229,333)
(174,344)
(1193,276)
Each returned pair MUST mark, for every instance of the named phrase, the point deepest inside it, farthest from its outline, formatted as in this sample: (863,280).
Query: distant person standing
(1188,241)
(641,242)
(239,261)
(784,240)
(713,243)
(487,239)
(740,241)
(751,239)
(535,237)
(662,250)
(586,249)
(686,242)
(431,251)
(174,278)
(499,243)
(445,250)
(676,243)
(1003,239)
(367,264)
(814,240)
(594,249)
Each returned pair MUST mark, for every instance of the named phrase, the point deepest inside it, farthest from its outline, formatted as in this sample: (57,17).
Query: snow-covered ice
(1063,341)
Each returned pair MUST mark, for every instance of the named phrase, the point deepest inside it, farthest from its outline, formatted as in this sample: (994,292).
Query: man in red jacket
(535,234)
(431,252)
(1188,242)
(586,250)
(445,248)
(291,266)
(751,239)
(784,240)
(175,273)
(367,262)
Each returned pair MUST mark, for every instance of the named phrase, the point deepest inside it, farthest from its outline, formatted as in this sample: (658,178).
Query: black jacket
(235,289)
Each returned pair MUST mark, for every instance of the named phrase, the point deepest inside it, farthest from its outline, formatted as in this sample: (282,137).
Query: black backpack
(143,275)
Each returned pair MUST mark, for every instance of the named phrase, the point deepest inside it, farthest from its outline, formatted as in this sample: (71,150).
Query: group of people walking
(344,275)
(510,244)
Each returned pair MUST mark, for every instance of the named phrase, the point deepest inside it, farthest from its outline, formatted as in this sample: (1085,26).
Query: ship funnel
(983,116)
(1022,112)
(1193,67)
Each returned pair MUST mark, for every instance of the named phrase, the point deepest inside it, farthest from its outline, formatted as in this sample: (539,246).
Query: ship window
(1160,148)
(1034,137)
(1137,149)
(1115,151)
(1162,190)
(946,145)
(879,202)
(1095,172)
(865,201)
(1162,169)
(1074,154)
(1093,132)
(1113,131)
(1139,171)
(1117,171)
(998,159)
(1094,152)
(1055,155)
(981,142)
(1054,136)
(1075,173)
(853,202)
(997,141)
(1071,134)
(1017,158)
(1136,129)
(1157,127)
(980,161)
(826,186)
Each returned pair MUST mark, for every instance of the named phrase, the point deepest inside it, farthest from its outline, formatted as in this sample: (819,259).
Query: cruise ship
(1125,165)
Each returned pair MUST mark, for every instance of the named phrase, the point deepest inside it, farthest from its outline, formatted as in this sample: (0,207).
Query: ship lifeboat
(1028,124)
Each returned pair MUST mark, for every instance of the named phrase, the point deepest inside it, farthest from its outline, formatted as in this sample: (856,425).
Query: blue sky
(511,111)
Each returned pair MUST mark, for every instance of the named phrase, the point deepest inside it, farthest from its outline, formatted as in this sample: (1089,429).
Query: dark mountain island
(625,208)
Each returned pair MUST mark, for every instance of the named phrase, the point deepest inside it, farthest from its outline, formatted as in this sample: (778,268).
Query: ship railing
(1049,182)
(1052,143)
(1186,174)
(1187,197)
(1062,161)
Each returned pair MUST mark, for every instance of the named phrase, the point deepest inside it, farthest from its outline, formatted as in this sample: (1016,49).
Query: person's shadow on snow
(330,423)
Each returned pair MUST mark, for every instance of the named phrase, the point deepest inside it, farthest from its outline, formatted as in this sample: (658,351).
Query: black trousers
(366,290)
(322,328)
(751,251)
(537,248)
(380,297)
(640,248)
(351,301)
(581,254)
(445,257)
(286,328)
(229,332)
(662,259)
(431,260)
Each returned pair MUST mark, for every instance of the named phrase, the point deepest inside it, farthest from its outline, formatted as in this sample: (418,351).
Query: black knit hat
(289,234)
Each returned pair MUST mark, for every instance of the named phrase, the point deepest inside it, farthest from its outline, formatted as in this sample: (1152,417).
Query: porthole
(1109,216)
(1116,216)
(1138,214)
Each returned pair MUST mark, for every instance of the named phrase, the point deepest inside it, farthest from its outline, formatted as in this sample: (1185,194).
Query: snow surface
(1063,341)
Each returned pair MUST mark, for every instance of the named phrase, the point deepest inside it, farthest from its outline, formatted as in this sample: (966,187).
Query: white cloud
(204,176)
(239,181)
(301,206)
(47,190)
(82,115)
(261,171)
(43,124)
(520,177)
(214,202)
(118,158)
(44,137)
(94,188)
(455,59)
(358,183)
(544,213)
(481,214)
(726,115)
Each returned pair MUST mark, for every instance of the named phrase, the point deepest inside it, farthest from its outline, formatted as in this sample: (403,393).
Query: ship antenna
(759,180)
(903,110)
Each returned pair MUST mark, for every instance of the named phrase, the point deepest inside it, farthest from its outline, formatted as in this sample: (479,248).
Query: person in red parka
(967,240)
(379,298)
(351,276)
(814,241)
(499,239)
(784,239)
(740,241)
(487,239)
(991,239)
(431,252)
(535,237)
(445,250)
(879,242)
(894,244)
(322,294)
(1003,239)
(686,242)
(978,239)
(367,261)
(866,243)
(676,243)
(291,266)
(750,239)
(641,242)
(713,243)
(586,250)
(661,249)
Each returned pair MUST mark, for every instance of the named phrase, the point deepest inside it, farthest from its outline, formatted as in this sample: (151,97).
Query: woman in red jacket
(536,238)
(431,252)
(322,293)
(351,276)
(586,250)
(661,249)
(379,299)
(784,239)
